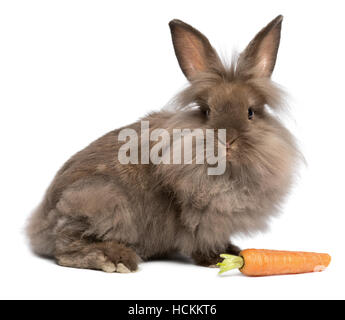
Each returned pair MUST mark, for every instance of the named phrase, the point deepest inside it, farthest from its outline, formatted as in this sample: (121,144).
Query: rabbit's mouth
(230,143)
(231,147)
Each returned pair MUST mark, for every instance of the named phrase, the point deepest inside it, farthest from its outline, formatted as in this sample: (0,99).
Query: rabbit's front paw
(210,259)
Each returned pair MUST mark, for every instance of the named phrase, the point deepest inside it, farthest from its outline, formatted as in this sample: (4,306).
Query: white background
(72,70)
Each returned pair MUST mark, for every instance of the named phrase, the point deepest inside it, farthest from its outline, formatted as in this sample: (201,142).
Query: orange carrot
(261,262)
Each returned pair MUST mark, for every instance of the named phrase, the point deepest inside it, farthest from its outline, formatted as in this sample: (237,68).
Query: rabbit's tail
(40,231)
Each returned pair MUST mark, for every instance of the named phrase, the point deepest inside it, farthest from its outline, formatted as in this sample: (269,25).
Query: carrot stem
(230,262)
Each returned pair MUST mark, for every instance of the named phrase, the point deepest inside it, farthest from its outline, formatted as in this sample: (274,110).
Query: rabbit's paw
(210,259)
(110,267)
(106,256)
(124,258)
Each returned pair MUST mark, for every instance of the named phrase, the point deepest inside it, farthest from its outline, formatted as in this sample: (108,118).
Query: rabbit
(101,214)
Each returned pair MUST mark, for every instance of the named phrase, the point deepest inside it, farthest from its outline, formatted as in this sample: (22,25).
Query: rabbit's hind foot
(106,256)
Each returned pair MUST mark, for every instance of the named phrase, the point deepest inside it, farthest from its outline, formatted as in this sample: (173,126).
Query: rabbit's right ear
(193,50)
(259,58)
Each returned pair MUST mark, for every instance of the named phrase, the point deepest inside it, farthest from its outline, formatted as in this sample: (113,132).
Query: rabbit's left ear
(259,58)
(193,50)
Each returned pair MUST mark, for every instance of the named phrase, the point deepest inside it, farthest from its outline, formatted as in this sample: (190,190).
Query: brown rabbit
(101,214)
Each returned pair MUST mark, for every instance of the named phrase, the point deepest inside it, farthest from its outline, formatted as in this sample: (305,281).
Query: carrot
(261,262)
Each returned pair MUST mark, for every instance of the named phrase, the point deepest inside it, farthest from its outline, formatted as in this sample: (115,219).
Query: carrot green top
(230,262)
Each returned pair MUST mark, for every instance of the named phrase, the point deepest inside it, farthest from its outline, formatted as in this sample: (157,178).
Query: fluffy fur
(100,214)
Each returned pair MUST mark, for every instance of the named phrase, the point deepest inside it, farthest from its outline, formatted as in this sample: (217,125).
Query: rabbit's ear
(193,50)
(259,58)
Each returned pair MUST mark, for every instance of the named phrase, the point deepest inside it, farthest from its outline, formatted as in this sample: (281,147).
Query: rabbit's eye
(206,111)
(250,113)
